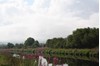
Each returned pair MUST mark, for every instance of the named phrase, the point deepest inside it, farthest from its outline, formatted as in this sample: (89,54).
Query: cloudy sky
(43,19)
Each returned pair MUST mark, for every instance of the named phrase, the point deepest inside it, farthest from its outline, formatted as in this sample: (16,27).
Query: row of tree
(29,43)
(81,38)
(11,45)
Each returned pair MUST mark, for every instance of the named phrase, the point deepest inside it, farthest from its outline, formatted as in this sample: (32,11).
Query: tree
(83,38)
(69,42)
(29,42)
(49,43)
(35,44)
(10,45)
(56,43)
(19,45)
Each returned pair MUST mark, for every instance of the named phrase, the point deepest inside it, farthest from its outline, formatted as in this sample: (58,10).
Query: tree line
(80,38)
(29,43)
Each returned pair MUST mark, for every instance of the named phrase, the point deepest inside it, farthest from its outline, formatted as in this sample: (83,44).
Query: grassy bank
(74,52)
(8,60)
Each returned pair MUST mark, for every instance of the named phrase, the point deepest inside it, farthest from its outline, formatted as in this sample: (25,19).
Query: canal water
(59,60)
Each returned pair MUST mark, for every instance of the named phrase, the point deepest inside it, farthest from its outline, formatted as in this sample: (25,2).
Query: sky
(45,19)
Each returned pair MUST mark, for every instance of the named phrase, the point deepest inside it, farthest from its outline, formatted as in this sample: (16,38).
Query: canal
(34,59)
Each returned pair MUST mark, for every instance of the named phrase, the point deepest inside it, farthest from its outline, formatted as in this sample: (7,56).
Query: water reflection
(72,61)
(57,61)
(54,60)
(86,58)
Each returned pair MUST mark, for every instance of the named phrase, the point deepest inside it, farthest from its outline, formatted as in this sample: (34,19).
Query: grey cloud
(85,7)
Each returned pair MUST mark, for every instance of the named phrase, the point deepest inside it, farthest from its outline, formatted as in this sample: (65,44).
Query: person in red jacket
(55,61)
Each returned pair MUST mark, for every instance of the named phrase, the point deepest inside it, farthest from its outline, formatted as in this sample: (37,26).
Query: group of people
(43,62)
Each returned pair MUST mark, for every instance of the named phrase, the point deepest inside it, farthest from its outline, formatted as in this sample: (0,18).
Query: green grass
(8,60)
